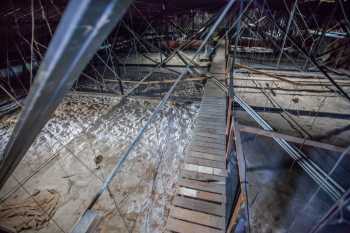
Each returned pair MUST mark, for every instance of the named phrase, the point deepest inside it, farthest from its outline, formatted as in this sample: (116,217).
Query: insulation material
(33,212)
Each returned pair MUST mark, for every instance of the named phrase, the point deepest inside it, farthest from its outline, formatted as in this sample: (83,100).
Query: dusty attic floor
(312,110)
(278,189)
(81,144)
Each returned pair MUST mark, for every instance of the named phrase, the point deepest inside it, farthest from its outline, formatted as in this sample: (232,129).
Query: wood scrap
(34,212)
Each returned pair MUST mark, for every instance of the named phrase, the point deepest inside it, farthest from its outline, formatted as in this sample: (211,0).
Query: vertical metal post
(291,16)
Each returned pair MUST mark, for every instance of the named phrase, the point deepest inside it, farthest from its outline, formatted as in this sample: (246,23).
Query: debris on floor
(32,213)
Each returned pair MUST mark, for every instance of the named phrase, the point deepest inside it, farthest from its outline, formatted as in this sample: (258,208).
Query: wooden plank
(219,103)
(212,97)
(197,217)
(210,123)
(207,126)
(210,114)
(210,120)
(200,176)
(234,216)
(200,142)
(205,162)
(219,130)
(209,139)
(218,117)
(219,122)
(267,74)
(203,186)
(213,92)
(212,105)
(180,226)
(206,118)
(290,138)
(218,137)
(208,130)
(240,157)
(214,112)
(206,156)
(215,121)
(212,109)
(208,150)
(200,206)
(221,100)
(212,86)
(201,195)
(216,146)
(204,169)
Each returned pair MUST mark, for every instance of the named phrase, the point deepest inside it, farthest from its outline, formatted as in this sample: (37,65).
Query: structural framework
(262,69)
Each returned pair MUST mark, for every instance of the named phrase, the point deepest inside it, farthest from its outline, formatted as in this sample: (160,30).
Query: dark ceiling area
(17,27)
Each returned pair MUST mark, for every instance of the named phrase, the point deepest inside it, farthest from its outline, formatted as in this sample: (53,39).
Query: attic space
(164,116)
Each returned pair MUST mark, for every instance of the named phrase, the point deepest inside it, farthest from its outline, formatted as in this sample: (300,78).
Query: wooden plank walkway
(199,203)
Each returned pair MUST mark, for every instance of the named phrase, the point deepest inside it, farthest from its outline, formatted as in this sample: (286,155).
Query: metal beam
(290,138)
(82,29)
(291,16)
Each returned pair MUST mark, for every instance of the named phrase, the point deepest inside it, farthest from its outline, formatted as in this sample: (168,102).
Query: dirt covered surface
(79,147)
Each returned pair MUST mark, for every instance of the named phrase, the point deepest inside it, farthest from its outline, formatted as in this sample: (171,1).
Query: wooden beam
(303,141)
(267,74)
(200,206)
(241,165)
(197,217)
(229,130)
(234,216)
(212,187)
(186,227)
